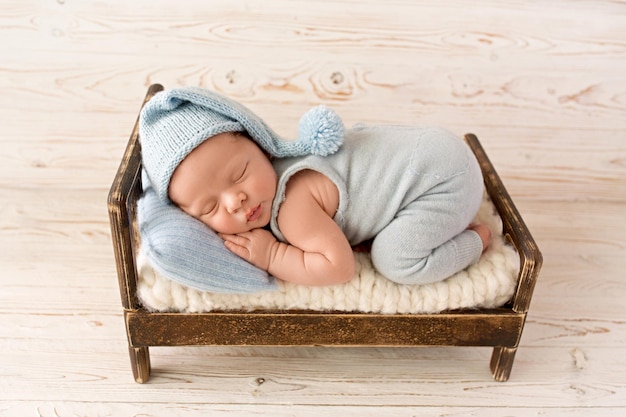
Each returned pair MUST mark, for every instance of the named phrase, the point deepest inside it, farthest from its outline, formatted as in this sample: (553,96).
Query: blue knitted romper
(414,190)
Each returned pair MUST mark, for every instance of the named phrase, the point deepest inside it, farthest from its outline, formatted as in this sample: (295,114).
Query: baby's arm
(318,253)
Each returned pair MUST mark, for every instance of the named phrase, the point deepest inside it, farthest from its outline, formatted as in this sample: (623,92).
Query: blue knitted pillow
(186,251)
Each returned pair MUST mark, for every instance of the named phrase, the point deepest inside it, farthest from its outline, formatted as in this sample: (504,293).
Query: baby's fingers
(237,245)
(240,251)
(236,239)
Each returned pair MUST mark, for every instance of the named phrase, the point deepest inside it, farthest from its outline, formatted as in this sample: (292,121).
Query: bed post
(122,198)
(515,230)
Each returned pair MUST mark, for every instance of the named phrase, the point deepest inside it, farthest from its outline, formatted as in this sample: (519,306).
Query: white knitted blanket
(488,283)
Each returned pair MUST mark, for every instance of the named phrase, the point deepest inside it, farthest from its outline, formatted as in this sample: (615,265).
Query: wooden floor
(542,83)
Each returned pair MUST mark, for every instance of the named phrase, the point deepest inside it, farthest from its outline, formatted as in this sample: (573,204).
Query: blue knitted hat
(174,122)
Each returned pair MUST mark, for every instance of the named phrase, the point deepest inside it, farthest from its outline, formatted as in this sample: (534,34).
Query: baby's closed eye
(241,174)
(210,208)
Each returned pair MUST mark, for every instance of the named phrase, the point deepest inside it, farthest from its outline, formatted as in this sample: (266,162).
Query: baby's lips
(253,214)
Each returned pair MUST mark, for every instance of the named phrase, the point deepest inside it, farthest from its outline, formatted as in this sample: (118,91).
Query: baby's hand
(254,246)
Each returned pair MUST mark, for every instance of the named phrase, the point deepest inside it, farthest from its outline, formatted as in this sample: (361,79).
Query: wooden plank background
(542,83)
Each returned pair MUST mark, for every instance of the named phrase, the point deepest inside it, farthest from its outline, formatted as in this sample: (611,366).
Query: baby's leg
(429,240)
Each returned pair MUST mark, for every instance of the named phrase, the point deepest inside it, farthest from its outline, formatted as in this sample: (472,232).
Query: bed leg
(140,362)
(502,362)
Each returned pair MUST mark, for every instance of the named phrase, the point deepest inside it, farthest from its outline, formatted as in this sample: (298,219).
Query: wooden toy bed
(500,328)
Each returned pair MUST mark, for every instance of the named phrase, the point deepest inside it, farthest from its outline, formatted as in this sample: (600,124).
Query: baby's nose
(235,200)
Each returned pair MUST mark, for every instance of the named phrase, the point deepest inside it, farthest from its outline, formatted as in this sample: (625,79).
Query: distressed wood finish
(121,203)
(514,228)
(500,328)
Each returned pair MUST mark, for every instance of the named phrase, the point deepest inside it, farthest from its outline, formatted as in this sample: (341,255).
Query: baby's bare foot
(484,233)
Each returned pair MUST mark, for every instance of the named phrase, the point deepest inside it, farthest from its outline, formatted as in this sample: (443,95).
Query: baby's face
(227,183)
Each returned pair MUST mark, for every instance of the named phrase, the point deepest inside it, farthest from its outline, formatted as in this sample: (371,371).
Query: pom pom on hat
(174,122)
(322,128)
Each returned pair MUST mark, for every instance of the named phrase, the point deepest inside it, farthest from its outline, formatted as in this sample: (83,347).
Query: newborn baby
(412,191)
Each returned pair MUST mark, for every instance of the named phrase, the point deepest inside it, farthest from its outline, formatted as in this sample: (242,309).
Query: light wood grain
(367,377)
(69,409)
(543,84)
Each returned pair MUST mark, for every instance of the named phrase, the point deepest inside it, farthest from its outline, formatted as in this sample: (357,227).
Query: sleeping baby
(296,208)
